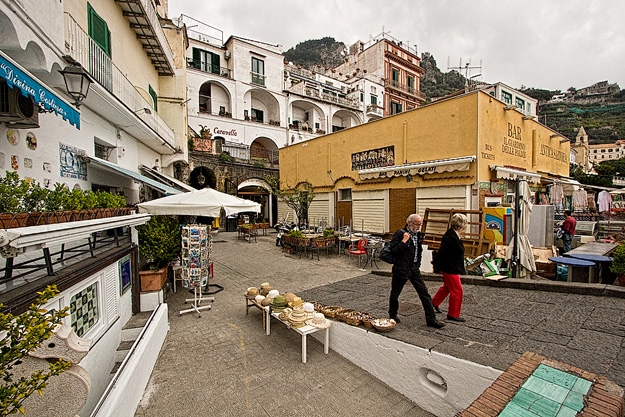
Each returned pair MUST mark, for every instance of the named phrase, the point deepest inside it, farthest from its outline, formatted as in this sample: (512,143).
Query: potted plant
(618,264)
(205,132)
(159,244)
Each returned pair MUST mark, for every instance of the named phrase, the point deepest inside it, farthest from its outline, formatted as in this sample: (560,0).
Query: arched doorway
(264,150)
(259,191)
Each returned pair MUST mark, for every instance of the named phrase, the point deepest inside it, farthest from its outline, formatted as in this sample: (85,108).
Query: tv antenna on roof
(469,80)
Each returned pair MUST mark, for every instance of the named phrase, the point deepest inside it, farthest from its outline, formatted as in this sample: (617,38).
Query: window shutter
(98,30)
(154,97)
(197,59)
(215,63)
(110,293)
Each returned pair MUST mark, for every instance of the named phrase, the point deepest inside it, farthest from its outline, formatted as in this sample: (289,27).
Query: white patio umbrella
(525,255)
(205,202)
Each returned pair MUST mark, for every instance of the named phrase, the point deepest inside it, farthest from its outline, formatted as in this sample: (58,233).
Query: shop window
(506,97)
(345,194)
(98,30)
(84,310)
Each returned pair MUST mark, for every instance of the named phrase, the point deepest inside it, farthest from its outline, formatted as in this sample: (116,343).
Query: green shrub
(296,233)
(159,241)
(618,264)
(328,233)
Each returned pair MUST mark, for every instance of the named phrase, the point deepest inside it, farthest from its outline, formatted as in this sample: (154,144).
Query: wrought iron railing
(84,50)
(245,153)
(396,85)
(209,68)
(375,109)
(258,78)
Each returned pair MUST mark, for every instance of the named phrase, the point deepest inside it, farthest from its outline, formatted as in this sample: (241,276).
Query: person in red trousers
(449,261)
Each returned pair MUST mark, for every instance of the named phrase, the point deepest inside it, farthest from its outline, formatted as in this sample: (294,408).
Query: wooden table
(593,248)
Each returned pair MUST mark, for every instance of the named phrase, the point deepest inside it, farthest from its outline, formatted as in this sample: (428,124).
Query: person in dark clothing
(568,227)
(449,261)
(406,245)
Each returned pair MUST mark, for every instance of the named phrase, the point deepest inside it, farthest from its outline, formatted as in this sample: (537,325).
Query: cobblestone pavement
(223,364)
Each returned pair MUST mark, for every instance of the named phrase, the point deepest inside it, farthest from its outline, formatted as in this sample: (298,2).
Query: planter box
(9,221)
(153,280)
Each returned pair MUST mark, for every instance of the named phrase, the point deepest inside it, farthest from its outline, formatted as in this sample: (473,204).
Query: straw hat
(273,293)
(319,321)
(309,307)
(259,298)
(297,301)
(266,301)
(252,291)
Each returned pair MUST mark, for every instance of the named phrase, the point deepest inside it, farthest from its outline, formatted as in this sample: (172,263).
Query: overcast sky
(550,44)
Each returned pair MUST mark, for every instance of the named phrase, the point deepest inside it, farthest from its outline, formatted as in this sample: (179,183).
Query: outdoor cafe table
(593,248)
(303,331)
(579,269)
(372,250)
(603,263)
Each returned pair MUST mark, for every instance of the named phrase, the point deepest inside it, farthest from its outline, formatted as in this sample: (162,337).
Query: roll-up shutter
(283,209)
(319,208)
(370,208)
(441,198)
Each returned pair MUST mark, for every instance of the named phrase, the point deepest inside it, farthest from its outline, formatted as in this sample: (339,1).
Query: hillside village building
(455,153)
(606,151)
(134,115)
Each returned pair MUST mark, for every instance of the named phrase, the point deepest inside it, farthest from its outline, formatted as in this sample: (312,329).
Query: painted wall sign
(222,132)
(512,144)
(203,145)
(374,158)
(72,166)
(556,154)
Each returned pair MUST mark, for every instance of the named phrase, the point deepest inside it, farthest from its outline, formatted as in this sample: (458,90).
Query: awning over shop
(29,85)
(108,166)
(419,168)
(159,176)
(515,174)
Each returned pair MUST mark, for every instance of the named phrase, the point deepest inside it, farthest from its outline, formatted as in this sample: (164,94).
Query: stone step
(132,329)
(122,350)
(116,367)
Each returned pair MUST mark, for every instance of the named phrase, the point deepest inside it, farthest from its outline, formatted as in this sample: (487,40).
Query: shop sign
(374,158)
(217,131)
(552,153)
(203,144)
(421,168)
(512,143)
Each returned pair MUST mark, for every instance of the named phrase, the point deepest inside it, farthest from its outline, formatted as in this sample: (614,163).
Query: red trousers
(452,287)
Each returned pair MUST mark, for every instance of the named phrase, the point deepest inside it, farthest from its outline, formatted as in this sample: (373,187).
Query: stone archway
(264,149)
(202,177)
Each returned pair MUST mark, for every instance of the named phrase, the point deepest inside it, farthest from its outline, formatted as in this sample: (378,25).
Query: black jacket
(405,252)
(450,257)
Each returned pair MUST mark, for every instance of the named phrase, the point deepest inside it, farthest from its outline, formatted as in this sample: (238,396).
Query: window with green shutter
(98,30)
(154,97)
(410,84)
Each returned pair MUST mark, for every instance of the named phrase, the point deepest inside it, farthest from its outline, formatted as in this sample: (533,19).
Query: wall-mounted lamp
(510,107)
(77,82)
(146,110)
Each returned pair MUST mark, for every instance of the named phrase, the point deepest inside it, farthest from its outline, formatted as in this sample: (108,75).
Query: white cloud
(552,44)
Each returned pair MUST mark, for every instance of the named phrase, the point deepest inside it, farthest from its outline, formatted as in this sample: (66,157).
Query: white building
(134,114)
(244,93)
(606,151)
(522,102)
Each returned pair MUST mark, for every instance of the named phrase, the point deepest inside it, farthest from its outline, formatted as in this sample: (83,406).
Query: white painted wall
(413,371)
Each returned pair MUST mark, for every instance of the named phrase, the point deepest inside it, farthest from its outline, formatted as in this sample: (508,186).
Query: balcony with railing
(374,110)
(248,154)
(258,78)
(210,69)
(403,88)
(80,47)
(144,21)
(303,90)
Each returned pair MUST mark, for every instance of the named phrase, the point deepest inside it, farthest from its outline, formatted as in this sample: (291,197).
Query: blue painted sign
(30,87)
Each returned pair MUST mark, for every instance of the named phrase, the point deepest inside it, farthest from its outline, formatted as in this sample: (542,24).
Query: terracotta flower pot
(621,280)
(153,280)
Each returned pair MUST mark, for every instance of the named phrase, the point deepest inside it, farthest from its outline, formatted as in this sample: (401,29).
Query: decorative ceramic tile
(566,412)
(13,136)
(555,376)
(31,141)
(582,386)
(574,400)
(72,165)
(47,167)
(15,162)
(546,389)
(513,410)
(83,309)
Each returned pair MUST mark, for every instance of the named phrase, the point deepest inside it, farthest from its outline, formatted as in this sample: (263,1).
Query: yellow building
(458,153)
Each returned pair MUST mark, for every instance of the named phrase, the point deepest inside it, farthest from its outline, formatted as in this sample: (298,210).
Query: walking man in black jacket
(407,246)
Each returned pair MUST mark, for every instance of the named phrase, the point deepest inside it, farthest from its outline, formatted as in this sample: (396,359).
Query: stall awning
(108,166)
(159,176)
(515,174)
(418,168)
(29,85)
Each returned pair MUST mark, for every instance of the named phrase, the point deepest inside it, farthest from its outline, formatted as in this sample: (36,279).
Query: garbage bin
(231,224)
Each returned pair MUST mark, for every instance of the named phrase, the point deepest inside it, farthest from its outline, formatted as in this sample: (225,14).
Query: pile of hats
(251,292)
(298,316)
(265,288)
(278,304)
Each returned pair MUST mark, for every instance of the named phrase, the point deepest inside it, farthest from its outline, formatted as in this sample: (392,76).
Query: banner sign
(30,87)
(374,158)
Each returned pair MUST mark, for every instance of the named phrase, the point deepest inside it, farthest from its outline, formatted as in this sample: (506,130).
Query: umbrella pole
(515,258)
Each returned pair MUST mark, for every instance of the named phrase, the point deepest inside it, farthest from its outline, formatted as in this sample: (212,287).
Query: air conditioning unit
(227,55)
(17,110)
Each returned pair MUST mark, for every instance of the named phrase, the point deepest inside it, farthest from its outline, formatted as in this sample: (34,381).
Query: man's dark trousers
(397,284)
